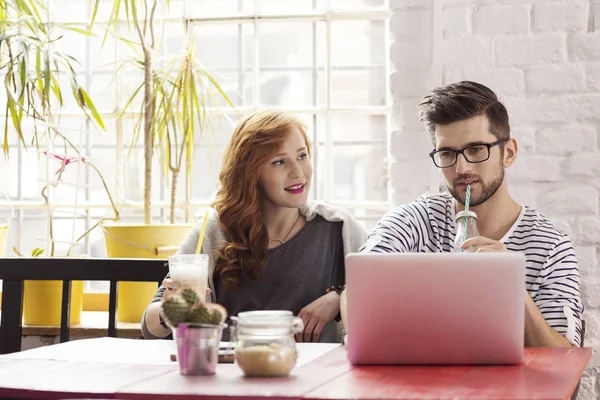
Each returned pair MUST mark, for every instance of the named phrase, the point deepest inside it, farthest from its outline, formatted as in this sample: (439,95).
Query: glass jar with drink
(265,344)
(466,228)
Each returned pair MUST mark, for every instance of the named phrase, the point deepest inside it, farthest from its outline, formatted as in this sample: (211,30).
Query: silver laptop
(436,308)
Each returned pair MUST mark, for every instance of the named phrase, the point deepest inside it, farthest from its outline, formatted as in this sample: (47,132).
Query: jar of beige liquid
(265,344)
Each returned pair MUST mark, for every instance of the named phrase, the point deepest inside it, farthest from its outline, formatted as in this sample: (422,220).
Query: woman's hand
(168,285)
(318,314)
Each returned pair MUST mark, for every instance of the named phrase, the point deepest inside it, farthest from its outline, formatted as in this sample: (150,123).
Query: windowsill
(92,324)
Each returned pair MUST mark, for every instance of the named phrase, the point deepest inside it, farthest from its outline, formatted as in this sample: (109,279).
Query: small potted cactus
(197,327)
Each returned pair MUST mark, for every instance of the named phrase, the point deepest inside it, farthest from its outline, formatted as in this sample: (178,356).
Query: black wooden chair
(14,271)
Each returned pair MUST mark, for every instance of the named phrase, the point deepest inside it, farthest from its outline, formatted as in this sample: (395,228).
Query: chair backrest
(15,270)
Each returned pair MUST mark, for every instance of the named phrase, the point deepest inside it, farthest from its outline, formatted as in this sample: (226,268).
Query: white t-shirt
(552,276)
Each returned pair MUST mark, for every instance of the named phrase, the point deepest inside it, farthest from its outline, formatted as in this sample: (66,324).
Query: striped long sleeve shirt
(552,277)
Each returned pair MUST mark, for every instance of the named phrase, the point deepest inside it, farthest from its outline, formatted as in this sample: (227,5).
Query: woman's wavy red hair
(255,140)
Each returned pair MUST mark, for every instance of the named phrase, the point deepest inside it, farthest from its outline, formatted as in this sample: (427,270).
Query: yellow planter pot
(42,302)
(3,239)
(141,241)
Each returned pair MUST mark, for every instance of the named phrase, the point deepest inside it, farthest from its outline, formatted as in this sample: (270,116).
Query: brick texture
(542,57)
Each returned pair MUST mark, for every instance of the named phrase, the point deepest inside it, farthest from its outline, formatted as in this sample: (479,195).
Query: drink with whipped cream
(189,270)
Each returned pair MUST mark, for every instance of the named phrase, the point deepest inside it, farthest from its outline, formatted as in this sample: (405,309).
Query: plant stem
(174,178)
(110,198)
(148,136)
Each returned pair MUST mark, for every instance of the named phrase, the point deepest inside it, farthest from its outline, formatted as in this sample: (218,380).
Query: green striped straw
(467,201)
(468,198)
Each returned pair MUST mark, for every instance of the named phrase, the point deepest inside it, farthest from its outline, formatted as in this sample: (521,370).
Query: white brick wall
(543,58)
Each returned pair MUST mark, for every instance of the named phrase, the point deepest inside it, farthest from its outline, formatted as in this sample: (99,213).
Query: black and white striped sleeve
(395,233)
(558,297)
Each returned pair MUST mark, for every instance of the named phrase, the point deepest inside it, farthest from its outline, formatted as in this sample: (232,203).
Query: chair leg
(10,338)
(112,309)
(65,317)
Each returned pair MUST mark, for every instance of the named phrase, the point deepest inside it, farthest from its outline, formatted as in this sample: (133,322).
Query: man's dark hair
(460,101)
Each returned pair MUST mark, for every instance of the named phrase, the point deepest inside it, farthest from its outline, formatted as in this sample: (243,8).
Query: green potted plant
(197,327)
(172,118)
(33,69)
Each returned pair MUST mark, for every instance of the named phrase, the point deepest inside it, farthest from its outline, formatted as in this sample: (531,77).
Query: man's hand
(481,244)
(318,314)
(537,331)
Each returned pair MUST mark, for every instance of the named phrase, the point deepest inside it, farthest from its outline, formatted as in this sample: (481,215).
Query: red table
(129,369)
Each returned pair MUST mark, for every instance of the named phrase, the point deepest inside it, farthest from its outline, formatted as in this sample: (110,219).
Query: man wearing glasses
(470,132)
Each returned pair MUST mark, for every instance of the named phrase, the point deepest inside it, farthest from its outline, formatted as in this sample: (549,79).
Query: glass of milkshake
(189,270)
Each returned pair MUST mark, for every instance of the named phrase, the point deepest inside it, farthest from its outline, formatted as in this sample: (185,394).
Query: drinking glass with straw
(191,269)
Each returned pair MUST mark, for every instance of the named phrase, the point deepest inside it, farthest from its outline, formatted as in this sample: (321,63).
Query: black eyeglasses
(476,153)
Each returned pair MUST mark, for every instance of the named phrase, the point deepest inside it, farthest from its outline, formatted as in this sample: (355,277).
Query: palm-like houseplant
(173,116)
(32,69)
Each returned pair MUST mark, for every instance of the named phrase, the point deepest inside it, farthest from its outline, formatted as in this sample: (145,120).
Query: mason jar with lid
(265,342)
(466,228)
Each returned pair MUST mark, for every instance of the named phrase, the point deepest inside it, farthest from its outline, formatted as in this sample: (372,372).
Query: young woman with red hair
(270,248)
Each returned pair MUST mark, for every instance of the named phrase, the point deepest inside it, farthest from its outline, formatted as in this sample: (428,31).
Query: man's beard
(488,189)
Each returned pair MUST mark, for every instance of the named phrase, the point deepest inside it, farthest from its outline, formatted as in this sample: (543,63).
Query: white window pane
(355,88)
(98,137)
(129,83)
(127,40)
(103,49)
(291,89)
(73,44)
(103,92)
(71,188)
(358,173)
(309,121)
(218,45)
(219,132)
(66,228)
(133,176)
(356,127)
(32,169)
(104,160)
(357,43)
(208,157)
(207,164)
(238,89)
(78,10)
(9,185)
(33,231)
(173,41)
(288,43)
